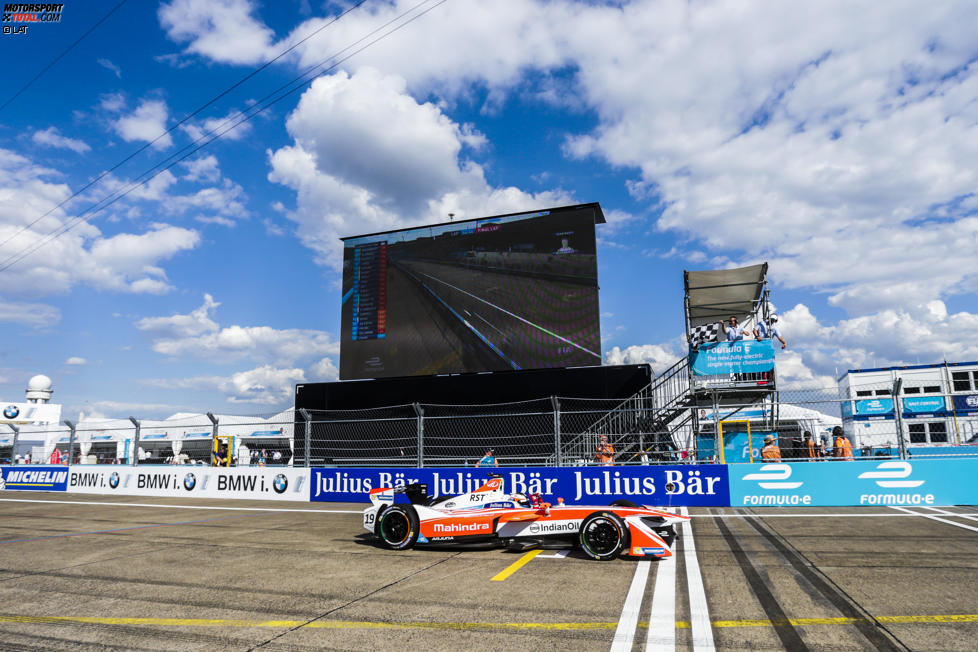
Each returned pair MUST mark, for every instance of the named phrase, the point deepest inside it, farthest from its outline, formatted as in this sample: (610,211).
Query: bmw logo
(280,484)
(114,480)
(11,411)
(189,482)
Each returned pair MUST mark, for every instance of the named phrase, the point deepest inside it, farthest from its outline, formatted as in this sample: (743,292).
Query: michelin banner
(29,477)
(704,485)
(840,483)
(256,483)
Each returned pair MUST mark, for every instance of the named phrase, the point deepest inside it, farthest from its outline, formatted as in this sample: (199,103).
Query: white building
(938,404)
(33,423)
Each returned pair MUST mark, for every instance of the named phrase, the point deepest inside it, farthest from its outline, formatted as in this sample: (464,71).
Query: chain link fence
(704,423)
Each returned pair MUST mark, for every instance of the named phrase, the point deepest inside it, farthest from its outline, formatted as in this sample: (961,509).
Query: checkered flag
(703,334)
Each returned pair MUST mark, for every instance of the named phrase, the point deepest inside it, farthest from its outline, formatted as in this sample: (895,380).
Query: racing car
(489,516)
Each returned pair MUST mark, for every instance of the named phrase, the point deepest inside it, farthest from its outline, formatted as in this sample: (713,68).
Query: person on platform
(488,460)
(842,447)
(604,454)
(769,329)
(735,332)
(220,456)
(770,452)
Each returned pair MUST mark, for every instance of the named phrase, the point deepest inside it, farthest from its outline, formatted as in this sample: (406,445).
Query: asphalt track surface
(90,572)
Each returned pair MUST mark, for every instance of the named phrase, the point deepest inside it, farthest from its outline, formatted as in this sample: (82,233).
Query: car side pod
(645,542)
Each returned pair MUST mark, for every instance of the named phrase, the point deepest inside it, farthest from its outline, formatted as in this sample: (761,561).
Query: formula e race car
(491,517)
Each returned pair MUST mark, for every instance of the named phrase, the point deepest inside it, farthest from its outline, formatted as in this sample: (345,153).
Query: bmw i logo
(189,482)
(11,411)
(114,479)
(280,484)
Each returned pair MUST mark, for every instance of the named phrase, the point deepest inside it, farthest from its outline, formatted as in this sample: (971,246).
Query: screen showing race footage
(491,294)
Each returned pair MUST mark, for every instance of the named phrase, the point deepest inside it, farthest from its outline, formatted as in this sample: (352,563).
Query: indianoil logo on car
(892,475)
(772,477)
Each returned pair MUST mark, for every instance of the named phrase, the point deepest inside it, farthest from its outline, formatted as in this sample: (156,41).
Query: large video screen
(492,294)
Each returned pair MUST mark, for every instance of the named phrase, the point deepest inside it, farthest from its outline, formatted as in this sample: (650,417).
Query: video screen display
(492,294)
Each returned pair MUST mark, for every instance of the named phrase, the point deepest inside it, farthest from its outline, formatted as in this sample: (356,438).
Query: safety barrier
(795,484)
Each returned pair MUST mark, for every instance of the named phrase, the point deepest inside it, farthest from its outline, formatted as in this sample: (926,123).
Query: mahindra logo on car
(462,528)
(769,472)
(888,473)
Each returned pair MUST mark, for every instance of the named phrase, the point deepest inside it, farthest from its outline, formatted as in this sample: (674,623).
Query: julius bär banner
(704,485)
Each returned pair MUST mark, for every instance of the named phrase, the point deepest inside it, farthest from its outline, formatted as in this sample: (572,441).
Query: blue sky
(837,141)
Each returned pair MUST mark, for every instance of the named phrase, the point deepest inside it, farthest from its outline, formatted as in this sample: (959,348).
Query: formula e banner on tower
(704,484)
(257,483)
(29,477)
(741,357)
(837,483)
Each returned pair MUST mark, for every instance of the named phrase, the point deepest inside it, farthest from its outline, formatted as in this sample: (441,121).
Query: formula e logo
(114,480)
(189,482)
(971,401)
(895,470)
(11,411)
(280,484)
(769,472)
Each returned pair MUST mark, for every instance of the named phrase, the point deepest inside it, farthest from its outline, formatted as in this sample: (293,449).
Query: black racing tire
(604,536)
(398,527)
(624,502)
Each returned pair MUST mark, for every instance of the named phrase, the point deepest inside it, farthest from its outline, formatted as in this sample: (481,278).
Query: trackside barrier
(28,477)
(702,485)
(256,483)
(843,483)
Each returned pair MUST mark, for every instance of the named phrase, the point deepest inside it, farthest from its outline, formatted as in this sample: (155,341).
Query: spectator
(767,330)
(605,452)
(770,452)
(810,446)
(489,459)
(254,457)
(734,331)
(823,445)
(55,456)
(842,447)
(262,457)
(276,457)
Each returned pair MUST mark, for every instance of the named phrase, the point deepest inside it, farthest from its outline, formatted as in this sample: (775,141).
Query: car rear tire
(603,536)
(398,527)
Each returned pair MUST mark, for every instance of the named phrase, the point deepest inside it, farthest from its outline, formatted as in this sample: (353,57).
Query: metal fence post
(214,447)
(898,417)
(13,447)
(135,442)
(71,441)
(308,442)
(556,404)
(420,412)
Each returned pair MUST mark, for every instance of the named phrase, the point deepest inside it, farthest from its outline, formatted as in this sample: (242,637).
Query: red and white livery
(490,516)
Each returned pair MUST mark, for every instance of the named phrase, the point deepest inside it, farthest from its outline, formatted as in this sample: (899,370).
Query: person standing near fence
(488,460)
(770,452)
(810,446)
(841,447)
(604,454)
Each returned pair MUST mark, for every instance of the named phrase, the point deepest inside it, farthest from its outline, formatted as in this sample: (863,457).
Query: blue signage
(704,485)
(919,405)
(870,407)
(873,483)
(30,477)
(722,358)
(966,403)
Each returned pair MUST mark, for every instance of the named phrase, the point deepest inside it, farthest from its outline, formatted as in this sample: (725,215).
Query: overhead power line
(187,117)
(268,101)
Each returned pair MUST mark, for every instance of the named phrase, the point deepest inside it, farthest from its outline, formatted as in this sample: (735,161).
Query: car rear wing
(417,494)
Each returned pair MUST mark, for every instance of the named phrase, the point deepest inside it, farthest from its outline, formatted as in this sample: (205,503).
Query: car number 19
(368,519)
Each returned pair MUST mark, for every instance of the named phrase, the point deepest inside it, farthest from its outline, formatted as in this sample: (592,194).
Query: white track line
(662,619)
(233,509)
(625,633)
(699,611)
(560,554)
(947,513)
(936,518)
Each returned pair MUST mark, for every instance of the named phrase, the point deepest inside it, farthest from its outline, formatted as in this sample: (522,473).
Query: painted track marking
(930,619)
(662,617)
(516,565)
(628,622)
(699,610)
(936,518)
(560,554)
